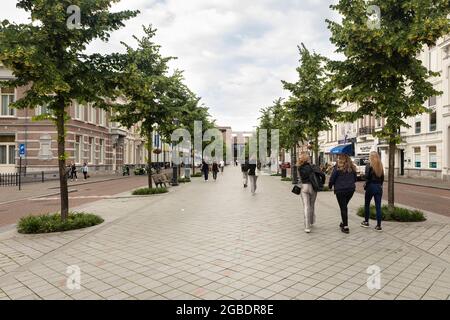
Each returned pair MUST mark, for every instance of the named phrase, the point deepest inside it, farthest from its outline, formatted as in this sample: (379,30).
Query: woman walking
(252,175)
(308,193)
(205,169)
(374,188)
(215,170)
(244,170)
(73,172)
(85,170)
(343,180)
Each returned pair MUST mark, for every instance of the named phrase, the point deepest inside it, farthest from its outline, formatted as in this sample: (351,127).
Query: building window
(417,160)
(433,120)
(79,111)
(42,110)
(432,101)
(432,156)
(418,127)
(91,150)
(102,151)
(433,59)
(7,153)
(92,114)
(78,145)
(7,97)
(102,117)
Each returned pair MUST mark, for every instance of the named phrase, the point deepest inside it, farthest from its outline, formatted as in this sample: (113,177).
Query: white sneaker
(307,230)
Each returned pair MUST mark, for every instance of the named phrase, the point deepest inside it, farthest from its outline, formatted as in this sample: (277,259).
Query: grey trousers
(253,180)
(309,199)
(245,178)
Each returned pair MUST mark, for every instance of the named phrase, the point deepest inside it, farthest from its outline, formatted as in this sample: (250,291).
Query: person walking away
(343,179)
(85,170)
(374,176)
(222,165)
(253,176)
(308,194)
(205,169)
(74,172)
(244,170)
(215,170)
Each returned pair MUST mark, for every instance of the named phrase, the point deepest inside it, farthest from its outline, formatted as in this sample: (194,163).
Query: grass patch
(52,222)
(184,180)
(276,175)
(148,191)
(399,214)
(286,179)
(326,189)
(196,175)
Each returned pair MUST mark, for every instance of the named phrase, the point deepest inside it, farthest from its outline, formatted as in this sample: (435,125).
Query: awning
(343,148)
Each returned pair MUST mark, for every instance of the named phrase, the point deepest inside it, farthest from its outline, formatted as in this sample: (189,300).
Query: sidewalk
(424,182)
(213,240)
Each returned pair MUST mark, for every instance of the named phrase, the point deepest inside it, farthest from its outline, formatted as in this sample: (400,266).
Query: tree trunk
(149,159)
(60,124)
(391,173)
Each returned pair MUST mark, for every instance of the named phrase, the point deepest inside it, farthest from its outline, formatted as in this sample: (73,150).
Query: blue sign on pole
(22,150)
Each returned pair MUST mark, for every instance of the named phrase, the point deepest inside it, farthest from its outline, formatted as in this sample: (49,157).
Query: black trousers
(343,199)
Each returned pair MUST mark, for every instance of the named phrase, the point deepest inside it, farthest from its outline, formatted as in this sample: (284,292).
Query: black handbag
(297,190)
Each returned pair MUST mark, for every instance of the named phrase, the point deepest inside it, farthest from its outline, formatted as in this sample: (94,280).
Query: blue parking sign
(22,150)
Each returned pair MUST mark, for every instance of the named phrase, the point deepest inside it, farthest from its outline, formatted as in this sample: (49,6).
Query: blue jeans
(375,191)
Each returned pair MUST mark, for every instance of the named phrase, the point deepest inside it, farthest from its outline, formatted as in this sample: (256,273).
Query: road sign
(22,150)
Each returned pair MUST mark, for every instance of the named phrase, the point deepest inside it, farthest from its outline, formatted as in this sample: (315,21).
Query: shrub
(184,180)
(139,171)
(276,175)
(148,191)
(286,179)
(196,175)
(325,188)
(399,214)
(52,222)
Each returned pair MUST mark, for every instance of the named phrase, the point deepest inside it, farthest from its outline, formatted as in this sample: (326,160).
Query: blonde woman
(374,188)
(308,193)
(343,180)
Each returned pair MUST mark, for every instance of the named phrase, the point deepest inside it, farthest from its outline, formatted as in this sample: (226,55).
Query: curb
(421,185)
(90,182)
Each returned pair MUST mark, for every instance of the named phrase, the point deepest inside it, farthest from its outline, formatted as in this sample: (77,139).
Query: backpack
(317,178)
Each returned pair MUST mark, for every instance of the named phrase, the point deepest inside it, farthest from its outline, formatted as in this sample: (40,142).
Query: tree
(382,72)
(47,56)
(153,98)
(312,99)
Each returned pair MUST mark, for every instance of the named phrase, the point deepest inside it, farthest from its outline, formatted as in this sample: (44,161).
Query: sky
(234,53)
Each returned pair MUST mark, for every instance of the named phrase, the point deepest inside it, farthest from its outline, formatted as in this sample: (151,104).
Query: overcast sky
(234,52)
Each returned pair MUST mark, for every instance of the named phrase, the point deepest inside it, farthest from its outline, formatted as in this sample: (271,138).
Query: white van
(360,164)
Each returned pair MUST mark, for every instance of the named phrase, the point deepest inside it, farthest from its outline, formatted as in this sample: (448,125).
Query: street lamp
(174,167)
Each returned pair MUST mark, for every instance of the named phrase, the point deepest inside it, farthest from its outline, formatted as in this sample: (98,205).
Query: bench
(160,179)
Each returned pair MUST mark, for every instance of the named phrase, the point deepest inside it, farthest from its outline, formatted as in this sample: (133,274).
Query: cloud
(234,52)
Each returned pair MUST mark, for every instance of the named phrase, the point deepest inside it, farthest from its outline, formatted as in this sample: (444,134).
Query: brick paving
(215,241)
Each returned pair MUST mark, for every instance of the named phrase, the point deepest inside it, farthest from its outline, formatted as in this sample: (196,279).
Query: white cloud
(234,53)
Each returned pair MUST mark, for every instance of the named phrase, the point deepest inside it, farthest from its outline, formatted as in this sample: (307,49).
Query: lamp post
(175,166)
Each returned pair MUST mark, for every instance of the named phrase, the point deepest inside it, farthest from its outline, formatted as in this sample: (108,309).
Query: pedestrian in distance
(310,185)
(252,174)
(374,176)
(222,165)
(85,170)
(343,179)
(244,170)
(73,170)
(205,170)
(215,170)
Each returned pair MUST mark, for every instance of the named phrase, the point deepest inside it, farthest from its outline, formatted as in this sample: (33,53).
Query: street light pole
(175,166)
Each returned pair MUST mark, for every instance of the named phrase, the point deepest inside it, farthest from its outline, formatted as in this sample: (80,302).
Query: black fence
(9,179)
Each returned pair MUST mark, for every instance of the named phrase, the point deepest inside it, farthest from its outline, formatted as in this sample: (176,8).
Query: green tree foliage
(381,71)
(47,57)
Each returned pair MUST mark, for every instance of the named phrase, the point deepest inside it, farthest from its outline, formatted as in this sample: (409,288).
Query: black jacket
(252,169)
(371,177)
(342,181)
(305,171)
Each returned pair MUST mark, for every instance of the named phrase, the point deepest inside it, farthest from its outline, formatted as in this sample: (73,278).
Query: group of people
(214,168)
(343,181)
(73,171)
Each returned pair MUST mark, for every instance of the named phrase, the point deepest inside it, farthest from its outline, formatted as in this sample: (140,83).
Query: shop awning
(343,148)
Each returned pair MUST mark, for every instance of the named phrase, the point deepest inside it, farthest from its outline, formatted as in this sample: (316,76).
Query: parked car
(360,164)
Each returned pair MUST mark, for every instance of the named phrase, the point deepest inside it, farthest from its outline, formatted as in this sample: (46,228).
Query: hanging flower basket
(157,151)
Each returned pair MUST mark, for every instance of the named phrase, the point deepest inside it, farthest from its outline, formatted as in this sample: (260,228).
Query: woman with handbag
(374,176)
(343,180)
(307,193)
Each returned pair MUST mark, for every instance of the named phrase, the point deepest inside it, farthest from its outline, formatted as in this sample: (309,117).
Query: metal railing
(9,179)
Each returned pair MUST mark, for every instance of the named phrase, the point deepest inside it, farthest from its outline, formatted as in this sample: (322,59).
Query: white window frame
(8,109)
(417,157)
(8,145)
(102,151)
(91,159)
(434,154)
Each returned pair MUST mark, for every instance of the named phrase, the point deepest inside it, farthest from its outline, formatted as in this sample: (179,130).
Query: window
(378,122)
(433,121)
(102,151)
(7,97)
(418,126)
(417,160)
(433,59)
(78,148)
(432,157)
(40,110)
(91,150)
(79,111)
(102,117)
(92,112)
(7,150)
(432,101)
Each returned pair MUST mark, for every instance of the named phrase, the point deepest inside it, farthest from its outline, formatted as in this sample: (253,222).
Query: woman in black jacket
(343,180)
(308,194)
(205,169)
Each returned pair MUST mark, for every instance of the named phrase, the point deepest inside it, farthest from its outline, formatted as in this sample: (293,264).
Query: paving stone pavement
(214,240)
